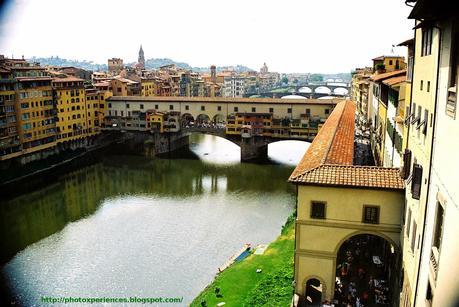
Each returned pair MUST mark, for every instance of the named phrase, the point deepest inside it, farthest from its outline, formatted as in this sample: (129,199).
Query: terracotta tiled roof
(382,57)
(329,159)
(378,77)
(395,80)
(353,176)
(67,79)
(408,42)
(334,144)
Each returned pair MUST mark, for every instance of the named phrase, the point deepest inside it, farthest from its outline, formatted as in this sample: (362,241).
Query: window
(271,110)
(327,111)
(405,173)
(236,109)
(371,214)
(187,107)
(429,295)
(453,76)
(418,118)
(413,236)
(203,108)
(422,84)
(254,109)
(317,210)
(428,86)
(156,106)
(390,62)
(289,110)
(438,230)
(219,108)
(141,106)
(426,41)
(308,112)
(416,181)
(171,107)
(408,223)
(127,105)
(109,104)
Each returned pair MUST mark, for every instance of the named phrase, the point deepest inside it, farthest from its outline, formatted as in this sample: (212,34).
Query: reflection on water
(135,226)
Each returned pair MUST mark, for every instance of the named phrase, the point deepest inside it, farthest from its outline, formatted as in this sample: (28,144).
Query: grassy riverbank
(241,285)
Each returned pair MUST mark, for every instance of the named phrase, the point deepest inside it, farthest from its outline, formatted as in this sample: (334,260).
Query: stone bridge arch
(341,91)
(218,118)
(322,90)
(305,90)
(203,118)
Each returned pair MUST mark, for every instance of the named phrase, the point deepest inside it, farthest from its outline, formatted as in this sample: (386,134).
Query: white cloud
(289,35)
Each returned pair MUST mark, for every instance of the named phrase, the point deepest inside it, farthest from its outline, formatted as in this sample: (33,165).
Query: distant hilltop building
(115,65)
(141,61)
(264,69)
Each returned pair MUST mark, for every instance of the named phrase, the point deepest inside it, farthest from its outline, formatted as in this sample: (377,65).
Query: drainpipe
(294,247)
(431,158)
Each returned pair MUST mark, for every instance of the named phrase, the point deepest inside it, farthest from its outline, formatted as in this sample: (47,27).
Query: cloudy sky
(290,35)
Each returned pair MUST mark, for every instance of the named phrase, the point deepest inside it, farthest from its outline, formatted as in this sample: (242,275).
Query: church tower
(141,58)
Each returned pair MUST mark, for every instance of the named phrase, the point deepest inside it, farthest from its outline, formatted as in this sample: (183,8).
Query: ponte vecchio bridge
(159,125)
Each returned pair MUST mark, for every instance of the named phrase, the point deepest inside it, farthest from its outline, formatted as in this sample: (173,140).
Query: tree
(285,80)
(316,78)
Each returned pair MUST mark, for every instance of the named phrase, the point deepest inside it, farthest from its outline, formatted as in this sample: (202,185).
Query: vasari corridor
(205,153)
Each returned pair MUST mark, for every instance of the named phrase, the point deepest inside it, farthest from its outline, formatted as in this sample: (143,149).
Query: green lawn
(240,285)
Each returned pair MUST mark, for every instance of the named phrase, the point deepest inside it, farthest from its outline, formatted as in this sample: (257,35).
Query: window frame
(314,205)
(364,214)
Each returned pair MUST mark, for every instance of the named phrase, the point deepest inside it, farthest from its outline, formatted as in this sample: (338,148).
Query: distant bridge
(339,89)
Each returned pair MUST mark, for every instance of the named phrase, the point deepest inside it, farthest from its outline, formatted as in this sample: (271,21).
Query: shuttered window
(405,173)
(371,214)
(317,210)
(416,182)
(413,236)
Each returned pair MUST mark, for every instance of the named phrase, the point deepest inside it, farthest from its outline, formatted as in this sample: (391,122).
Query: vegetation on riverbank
(241,285)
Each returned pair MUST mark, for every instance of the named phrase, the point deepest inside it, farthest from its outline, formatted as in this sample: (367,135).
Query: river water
(132,226)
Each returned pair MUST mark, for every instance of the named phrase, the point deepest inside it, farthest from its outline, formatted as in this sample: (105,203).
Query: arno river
(131,226)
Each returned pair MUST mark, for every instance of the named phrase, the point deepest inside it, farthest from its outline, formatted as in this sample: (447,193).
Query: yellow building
(404,110)
(418,155)
(384,87)
(360,89)
(9,139)
(72,115)
(388,63)
(155,120)
(95,109)
(430,230)
(339,203)
(125,87)
(149,87)
(35,111)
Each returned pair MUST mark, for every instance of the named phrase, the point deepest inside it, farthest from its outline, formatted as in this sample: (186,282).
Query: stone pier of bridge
(157,144)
